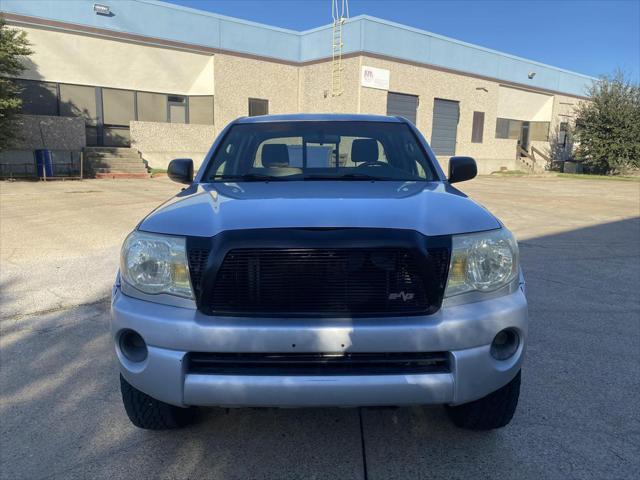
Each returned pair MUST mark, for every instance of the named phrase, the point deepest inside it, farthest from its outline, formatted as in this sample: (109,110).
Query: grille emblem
(401,296)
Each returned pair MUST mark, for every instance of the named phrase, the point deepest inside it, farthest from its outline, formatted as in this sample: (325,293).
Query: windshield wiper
(247,177)
(346,176)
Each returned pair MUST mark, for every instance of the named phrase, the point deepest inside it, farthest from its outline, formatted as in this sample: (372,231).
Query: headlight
(156,264)
(482,261)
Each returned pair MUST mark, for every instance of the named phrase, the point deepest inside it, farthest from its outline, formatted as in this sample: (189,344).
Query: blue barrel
(44,164)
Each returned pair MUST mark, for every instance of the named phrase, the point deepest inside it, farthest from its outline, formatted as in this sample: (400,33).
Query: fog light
(505,344)
(132,346)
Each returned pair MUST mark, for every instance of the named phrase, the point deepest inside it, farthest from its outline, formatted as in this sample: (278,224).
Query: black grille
(331,282)
(197,263)
(317,363)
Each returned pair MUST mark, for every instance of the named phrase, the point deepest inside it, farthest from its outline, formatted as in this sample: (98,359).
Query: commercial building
(165,79)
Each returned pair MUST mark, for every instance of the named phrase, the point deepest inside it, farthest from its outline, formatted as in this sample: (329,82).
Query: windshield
(339,150)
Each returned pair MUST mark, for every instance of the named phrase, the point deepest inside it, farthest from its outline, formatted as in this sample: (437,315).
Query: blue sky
(591,37)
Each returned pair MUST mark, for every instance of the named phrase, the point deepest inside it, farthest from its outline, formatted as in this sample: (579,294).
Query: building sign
(375,78)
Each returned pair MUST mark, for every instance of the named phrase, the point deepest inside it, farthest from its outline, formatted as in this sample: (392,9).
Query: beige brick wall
(159,143)
(237,79)
(53,133)
(288,88)
(315,88)
(292,89)
(472,93)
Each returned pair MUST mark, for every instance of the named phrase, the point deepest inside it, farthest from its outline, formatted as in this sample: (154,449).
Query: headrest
(364,150)
(275,155)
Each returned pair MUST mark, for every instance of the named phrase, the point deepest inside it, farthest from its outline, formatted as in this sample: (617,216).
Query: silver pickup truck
(320,260)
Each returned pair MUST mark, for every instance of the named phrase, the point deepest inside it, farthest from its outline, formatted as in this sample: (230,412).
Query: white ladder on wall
(340,14)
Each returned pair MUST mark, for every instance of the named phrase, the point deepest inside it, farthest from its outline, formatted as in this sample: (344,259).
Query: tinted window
(38,98)
(177,109)
(118,106)
(152,107)
(78,101)
(539,131)
(508,128)
(320,151)
(258,107)
(477,130)
(562,134)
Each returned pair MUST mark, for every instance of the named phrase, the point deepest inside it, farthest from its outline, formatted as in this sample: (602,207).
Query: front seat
(364,150)
(275,157)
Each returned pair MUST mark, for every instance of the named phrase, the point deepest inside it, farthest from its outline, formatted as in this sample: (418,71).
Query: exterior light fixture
(531,75)
(101,9)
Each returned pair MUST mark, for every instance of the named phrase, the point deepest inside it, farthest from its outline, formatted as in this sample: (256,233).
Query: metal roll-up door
(445,126)
(403,105)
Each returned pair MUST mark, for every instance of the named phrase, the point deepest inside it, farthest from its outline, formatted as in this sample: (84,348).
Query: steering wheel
(373,163)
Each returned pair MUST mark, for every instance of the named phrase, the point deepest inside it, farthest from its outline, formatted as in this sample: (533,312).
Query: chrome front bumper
(466,331)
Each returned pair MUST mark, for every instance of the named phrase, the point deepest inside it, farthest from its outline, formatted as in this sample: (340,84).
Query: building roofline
(213,33)
(465,44)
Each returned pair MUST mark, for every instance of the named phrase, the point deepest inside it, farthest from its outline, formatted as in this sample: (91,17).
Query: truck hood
(431,208)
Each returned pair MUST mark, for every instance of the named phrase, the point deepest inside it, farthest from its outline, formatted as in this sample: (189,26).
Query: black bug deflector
(336,272)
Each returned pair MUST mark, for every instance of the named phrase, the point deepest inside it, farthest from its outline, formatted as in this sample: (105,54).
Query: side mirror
(181,170)
(461,169)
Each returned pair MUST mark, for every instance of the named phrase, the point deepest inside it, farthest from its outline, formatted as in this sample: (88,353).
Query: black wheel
(151,414)
(493,411)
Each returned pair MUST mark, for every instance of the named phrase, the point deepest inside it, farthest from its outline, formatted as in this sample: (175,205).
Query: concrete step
(132,169)
(110,150)
(129,153)
(122,175)
(98,158)
(113,162)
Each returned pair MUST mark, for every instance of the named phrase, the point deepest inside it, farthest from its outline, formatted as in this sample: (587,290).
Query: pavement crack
(363,446)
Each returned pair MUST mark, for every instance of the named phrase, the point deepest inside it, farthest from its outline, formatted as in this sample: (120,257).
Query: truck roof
(320,117)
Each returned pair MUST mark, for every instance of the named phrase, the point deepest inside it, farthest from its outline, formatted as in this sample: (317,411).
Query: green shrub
(607,127)
(14,46)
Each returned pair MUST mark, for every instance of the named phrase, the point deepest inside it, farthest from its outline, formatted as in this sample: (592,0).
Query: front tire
(493,411)
(151,414)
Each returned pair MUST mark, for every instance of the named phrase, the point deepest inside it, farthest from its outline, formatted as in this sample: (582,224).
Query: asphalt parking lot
(60,409)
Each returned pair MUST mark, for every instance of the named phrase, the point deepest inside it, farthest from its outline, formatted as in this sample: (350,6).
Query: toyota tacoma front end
(320,260)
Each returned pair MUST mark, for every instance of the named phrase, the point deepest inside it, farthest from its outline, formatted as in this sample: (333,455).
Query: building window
(38,98)
(79,101)
(152,107)
(177,107)
(118,109)
(502,128)
(201,110)
(118,106)
(539,131)
(562,134)
(477,131)
(258,107)
(508,128)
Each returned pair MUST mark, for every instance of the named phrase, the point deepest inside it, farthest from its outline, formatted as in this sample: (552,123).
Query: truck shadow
(62,415)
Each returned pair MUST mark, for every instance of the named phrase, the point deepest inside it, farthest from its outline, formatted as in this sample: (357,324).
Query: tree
(14,46)
(607,127)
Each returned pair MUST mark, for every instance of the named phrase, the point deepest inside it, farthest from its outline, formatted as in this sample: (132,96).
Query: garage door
(404,105)
(445,126)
